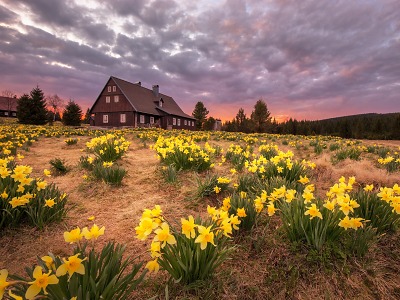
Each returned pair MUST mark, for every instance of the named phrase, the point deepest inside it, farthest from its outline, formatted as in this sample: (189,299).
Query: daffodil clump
(71,141)
(390,162)
(86,274)
(192,252)
(282,165)
(24,199)
(184,153)
(268,150)
(238,155)
(109,147)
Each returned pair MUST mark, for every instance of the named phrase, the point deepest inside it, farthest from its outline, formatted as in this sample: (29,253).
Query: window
(122,118)
(14,114)
(142,119)
(185,122)
(179,122)
(108,99)
(151,120)
(192,123)
(114,88)
(160,103)
(116,98)
(109,89)
(105,118)
(173,121)
(6,113)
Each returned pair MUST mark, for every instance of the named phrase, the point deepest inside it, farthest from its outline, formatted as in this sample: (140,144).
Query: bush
(58,166)
(112,175)
(72,114)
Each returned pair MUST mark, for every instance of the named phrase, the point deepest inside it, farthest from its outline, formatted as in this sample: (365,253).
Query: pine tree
(72,115)
(86,120)
(32,109)
(200,113)
(261,116)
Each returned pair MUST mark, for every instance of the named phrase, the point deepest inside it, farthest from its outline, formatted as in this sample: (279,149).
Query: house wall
(168,123)
(114,119)
(102,106)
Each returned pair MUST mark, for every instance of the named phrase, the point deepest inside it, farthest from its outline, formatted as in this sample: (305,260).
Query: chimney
(155,90)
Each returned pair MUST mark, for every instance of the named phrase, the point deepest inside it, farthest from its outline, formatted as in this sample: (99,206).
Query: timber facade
(122,103)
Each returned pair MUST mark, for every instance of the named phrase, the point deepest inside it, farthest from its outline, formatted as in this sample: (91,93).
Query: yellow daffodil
(3,282)
(47,173)
(205,236)
(163,235)
(42,280)
(188,227)
(369,187)
(73,236)
(71,265)
(48,260)
(241,212)
(313,211)
(93,233)
(153,266)
(49,203)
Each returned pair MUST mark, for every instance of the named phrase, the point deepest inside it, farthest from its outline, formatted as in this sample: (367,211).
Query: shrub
(169,173)
(112,175)
(58,166)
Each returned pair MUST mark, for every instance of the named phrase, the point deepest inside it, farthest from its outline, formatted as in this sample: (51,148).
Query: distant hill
(362,126)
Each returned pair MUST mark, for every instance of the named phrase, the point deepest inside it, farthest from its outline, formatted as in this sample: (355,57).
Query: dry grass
(264,265)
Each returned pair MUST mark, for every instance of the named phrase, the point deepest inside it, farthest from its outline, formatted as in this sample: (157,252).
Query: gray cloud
(306,58)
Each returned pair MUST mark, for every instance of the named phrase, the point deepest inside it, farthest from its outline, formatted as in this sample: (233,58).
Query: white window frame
(122,118)
(185,122)
(105,119)
(173,121)
(160,103)
(192,123)
(109,88)
(116,98)
(141,117)
(6,113)
(108,99)
(179,122)
(114,88)
(151,120)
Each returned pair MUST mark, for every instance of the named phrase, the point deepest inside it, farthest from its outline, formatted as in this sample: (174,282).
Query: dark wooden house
(8,107)
(122,103)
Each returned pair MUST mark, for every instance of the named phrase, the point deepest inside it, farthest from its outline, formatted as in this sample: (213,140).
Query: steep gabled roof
(143,100)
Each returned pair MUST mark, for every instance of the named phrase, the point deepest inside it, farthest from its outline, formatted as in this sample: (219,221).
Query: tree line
(36,109)
(364,126)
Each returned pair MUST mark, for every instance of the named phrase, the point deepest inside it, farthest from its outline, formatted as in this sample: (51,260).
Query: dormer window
(114,88)
(160,103)
(109,89)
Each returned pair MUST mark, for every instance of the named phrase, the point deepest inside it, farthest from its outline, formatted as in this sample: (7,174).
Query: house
(8,107)
(122,103)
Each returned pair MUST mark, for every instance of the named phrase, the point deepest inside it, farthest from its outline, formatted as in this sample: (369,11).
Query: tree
(209,124)
(55,102)
(261,116)
(86,120)
(200,113)
(72,114)
(32,109)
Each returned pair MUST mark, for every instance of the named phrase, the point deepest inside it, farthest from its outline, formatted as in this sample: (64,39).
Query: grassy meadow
(274,216)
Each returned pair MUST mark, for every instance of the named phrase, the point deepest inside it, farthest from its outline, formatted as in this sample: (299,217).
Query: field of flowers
(140,214)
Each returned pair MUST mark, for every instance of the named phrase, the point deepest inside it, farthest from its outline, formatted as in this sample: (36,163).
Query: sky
(308,59)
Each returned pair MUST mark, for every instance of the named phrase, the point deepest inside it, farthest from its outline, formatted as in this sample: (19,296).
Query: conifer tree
(200,113)
(72,115)
(32,109)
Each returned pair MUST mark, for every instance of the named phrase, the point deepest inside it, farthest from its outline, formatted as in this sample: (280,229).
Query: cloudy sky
(306,59)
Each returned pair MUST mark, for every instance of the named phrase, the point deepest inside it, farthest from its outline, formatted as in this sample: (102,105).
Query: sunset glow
(306,59)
